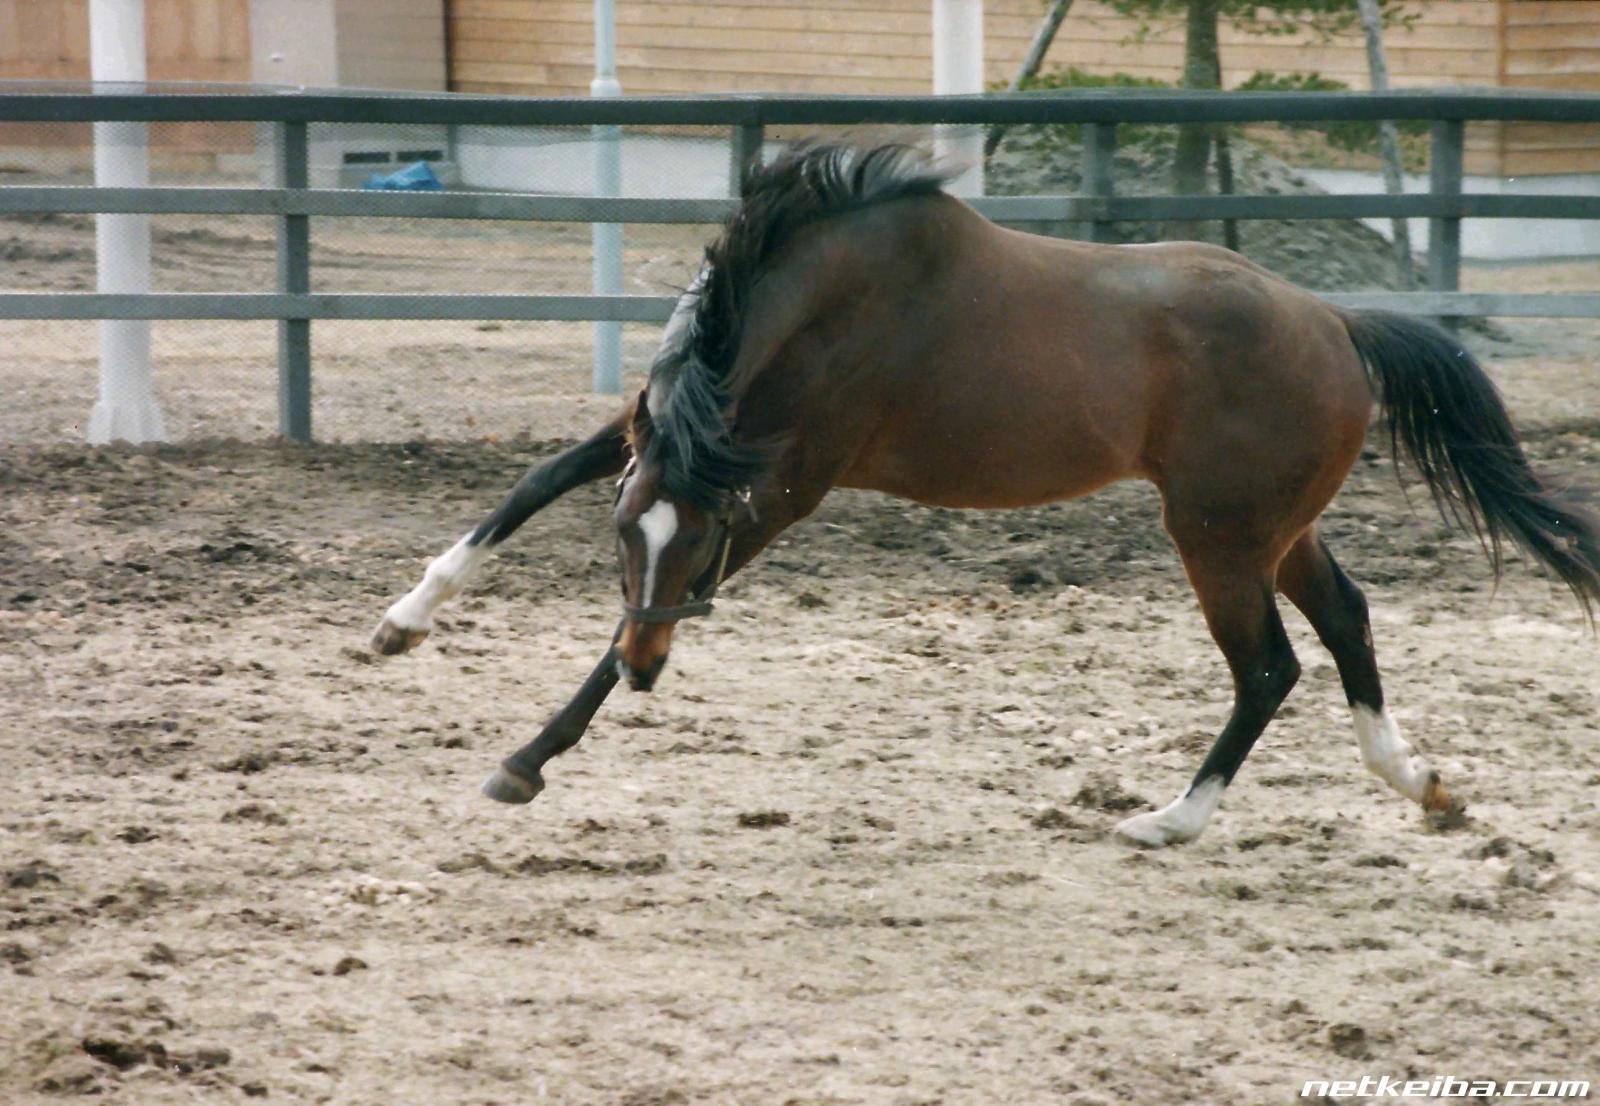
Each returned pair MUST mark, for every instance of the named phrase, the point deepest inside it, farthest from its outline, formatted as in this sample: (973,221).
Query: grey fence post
(1099,147)
(291,164)
(1444,233)
(748,138)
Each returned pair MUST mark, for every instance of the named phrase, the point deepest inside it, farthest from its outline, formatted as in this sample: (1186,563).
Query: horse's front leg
(410,618)
(520,776)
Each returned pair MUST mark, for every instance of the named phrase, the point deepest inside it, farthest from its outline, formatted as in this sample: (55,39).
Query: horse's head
(665,545)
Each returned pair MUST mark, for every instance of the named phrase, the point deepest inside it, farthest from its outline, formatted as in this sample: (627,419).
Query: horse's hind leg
(410,618)
(1236,594)
(1337,610)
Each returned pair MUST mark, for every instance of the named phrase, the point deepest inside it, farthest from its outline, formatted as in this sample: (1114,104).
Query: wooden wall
(544,47)
(186,40)
(1551,44)
(678,46)
(885,45)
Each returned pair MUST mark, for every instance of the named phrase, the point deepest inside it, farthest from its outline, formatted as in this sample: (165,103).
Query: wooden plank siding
(186,40)
(545,47)
(885,46)
(1551,44)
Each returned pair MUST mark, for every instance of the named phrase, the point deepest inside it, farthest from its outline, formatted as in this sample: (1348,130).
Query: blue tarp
(417,177)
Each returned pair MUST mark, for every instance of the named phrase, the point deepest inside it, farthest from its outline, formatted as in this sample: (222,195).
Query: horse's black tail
(1442,406)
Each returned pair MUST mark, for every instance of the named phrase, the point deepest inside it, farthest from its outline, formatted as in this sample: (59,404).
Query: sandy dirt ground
(855,849)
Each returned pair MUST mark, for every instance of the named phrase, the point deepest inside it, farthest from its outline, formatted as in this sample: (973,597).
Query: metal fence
(291,201)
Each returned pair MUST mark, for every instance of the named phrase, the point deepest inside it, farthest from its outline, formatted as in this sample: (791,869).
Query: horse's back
(1258,382)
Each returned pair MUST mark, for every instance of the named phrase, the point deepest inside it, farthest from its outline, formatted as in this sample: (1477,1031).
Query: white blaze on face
(1391,757)
(658,525)
(444,579)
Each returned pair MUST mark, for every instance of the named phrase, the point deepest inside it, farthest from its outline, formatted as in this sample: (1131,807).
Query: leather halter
(698,605)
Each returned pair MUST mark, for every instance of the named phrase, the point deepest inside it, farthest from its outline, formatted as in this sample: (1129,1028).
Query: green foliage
(1073,77)
(1351,136)
(1069,77)
(1323,19)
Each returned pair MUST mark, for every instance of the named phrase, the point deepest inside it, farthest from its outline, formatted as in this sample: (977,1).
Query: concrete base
(135,421)
(1489,239)
(561,161)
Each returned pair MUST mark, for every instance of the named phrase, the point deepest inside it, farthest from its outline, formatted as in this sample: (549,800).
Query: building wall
(187,40)
(884,46)
(1551,44)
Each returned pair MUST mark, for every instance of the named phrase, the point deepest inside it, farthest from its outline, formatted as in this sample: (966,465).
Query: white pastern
(447,574)
(658,524)
(1179,821)
(1391,757)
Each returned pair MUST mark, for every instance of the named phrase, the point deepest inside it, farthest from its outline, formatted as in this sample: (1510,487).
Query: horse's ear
(639,424)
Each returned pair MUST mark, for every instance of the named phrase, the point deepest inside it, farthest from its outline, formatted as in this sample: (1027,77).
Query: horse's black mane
(691,436)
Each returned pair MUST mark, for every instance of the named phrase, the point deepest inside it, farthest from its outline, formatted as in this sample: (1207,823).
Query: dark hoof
(391,639)
(508,787)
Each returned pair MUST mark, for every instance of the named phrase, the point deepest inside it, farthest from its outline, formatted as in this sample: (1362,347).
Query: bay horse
(856,326)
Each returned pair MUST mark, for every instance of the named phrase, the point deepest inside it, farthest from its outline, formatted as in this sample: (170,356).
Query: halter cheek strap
(698,605)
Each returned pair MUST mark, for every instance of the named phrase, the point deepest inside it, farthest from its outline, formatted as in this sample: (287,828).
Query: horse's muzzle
(641,679)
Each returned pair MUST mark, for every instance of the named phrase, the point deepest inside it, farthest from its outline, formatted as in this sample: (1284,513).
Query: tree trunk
(1388,138)
(1201,65)
(1042,38)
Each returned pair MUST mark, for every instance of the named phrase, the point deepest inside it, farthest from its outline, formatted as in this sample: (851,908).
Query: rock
(255,812)
(763,819)
(1349,1041)
(466,862)
(349,964)
(71,1075)
(31,875)
(249,763)
(1103,792)
(201,1059)
(1055,818)
(120,1054)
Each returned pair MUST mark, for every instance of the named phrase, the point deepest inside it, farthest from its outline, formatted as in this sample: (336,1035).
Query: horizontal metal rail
(333,305)
(292,203)
(349,202)
(355,203)
(48,103)
(1450,305)
(628,309)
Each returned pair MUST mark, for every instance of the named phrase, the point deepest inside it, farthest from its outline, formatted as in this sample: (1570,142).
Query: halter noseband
(698,605)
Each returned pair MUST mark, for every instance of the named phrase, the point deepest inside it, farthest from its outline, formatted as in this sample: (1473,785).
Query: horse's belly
(961,459)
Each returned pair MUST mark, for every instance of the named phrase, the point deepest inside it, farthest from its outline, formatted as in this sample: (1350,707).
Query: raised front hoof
(1153,830)
(508,787)
(391,639)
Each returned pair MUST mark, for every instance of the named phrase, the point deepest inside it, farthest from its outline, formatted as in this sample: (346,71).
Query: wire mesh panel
(515,212)
(464,380)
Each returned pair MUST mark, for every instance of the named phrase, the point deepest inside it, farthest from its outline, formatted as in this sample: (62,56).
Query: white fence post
(958,69)
(607,237)
(127,406)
